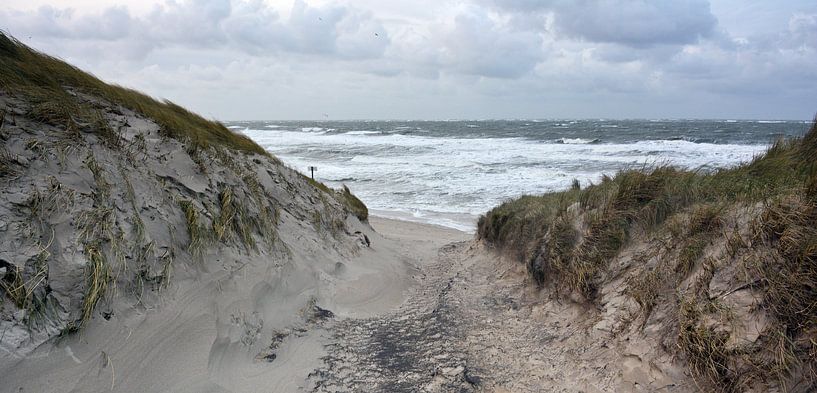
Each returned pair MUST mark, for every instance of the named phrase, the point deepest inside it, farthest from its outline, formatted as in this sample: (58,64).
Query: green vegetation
(83,112)
(51,86)
(353,204)
(758,220)
(317,184)
(349,201)
(539,229)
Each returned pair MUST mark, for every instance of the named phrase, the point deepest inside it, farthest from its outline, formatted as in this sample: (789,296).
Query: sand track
(414,346)
(471,324)
(458,319)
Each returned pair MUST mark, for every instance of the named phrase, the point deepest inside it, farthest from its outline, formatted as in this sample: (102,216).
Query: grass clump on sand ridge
(350,202)
(237,221)
(98,274)
(755,225)
(199,234)
(51,84)
(234,221)
(537,229)
(705,348)
(23,291)
(353,204)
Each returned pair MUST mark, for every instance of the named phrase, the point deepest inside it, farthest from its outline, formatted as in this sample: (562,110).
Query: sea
(450,172)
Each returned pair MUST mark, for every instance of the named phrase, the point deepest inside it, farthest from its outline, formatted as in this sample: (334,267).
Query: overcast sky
(440,59)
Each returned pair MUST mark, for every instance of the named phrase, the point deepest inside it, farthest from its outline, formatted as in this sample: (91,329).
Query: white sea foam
(362,132)
(577,141)
(450,181)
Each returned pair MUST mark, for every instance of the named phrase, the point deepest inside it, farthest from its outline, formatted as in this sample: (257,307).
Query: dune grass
(350,202)
(537,229)
(199,233)
(234,221)
(568,239)
(353,204)
(15,287)
(50,84)
(98,276)
(7,163)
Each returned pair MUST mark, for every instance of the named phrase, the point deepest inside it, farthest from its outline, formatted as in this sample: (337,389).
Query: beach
(147,248)
(425,308)
(211,331)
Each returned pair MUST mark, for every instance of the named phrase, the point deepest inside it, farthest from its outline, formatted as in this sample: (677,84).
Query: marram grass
(568,239)
(51,84)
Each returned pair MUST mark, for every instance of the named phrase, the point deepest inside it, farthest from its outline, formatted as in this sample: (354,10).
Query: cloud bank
(236,59)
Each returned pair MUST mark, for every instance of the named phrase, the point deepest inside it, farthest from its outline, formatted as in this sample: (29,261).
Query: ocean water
(450,172)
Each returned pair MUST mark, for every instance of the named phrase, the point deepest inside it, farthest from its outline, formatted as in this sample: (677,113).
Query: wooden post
(312,169)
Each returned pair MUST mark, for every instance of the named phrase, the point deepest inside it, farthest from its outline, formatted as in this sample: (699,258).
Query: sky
(442,59)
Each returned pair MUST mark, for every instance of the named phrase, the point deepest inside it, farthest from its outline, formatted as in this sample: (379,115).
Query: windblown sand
(423,309)
(211,332)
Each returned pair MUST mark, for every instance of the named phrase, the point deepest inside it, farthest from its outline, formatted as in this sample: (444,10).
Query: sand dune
(141,263)
(211,332)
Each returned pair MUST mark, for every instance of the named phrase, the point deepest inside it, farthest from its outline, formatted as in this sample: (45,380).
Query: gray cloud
(803,30)
(635,23)
(251,27)
(111,24)
(445,58)
(197,22)
(476,44)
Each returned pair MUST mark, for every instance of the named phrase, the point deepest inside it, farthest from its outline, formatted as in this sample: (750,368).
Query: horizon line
(725,119)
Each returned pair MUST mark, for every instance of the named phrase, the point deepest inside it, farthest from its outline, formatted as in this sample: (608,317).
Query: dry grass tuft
(24,286)
(97,276)
(199,235)
(106,133)
(102,189)
(754,227)
(645,289)
(15,287)
(8,163)
(238,221)
(222,223)
(705,349)
(705,222)
(32,74)
(791,279)
(353,204)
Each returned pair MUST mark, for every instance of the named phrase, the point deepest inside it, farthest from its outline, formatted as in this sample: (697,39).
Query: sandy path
(455,319)
(471,324)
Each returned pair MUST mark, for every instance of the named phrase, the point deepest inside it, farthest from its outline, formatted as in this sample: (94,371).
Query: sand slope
(183,307)
(213,333)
